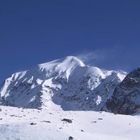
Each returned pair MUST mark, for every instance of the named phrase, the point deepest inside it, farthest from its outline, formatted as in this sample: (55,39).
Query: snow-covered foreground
(29,124)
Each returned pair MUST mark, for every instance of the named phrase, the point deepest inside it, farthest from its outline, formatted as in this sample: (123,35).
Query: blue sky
(36,31)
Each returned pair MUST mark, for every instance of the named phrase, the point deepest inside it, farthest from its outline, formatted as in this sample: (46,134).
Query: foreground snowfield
(30,124)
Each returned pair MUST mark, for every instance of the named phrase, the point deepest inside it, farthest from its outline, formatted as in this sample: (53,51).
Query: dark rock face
(126,97)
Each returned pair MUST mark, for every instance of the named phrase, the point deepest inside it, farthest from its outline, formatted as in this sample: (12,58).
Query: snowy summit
(63,84)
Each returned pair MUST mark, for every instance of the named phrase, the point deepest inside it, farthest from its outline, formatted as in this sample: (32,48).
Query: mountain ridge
(62,84)
(126,96)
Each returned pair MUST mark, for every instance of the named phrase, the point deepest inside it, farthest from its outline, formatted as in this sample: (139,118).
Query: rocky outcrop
(126,97)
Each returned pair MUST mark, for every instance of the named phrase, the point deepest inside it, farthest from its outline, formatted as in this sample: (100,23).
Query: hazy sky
(35,31)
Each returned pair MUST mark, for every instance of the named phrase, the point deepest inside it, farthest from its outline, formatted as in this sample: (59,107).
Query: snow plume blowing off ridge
(101,58)
(88,57)
(112,58)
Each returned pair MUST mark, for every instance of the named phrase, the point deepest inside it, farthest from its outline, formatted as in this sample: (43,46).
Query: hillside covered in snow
(33,124)
(63,84)
(65,99)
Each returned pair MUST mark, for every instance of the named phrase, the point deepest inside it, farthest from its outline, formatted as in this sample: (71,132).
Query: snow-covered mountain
(69,95)
(63,84)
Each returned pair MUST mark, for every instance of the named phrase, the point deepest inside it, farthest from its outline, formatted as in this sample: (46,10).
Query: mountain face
(63,84)
(126,97)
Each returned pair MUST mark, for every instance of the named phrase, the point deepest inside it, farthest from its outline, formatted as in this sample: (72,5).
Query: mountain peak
(73,59)
(61,66)
(66,84)
(67,60)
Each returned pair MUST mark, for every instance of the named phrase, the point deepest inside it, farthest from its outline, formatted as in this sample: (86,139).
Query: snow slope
(63,84)
(32,124)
